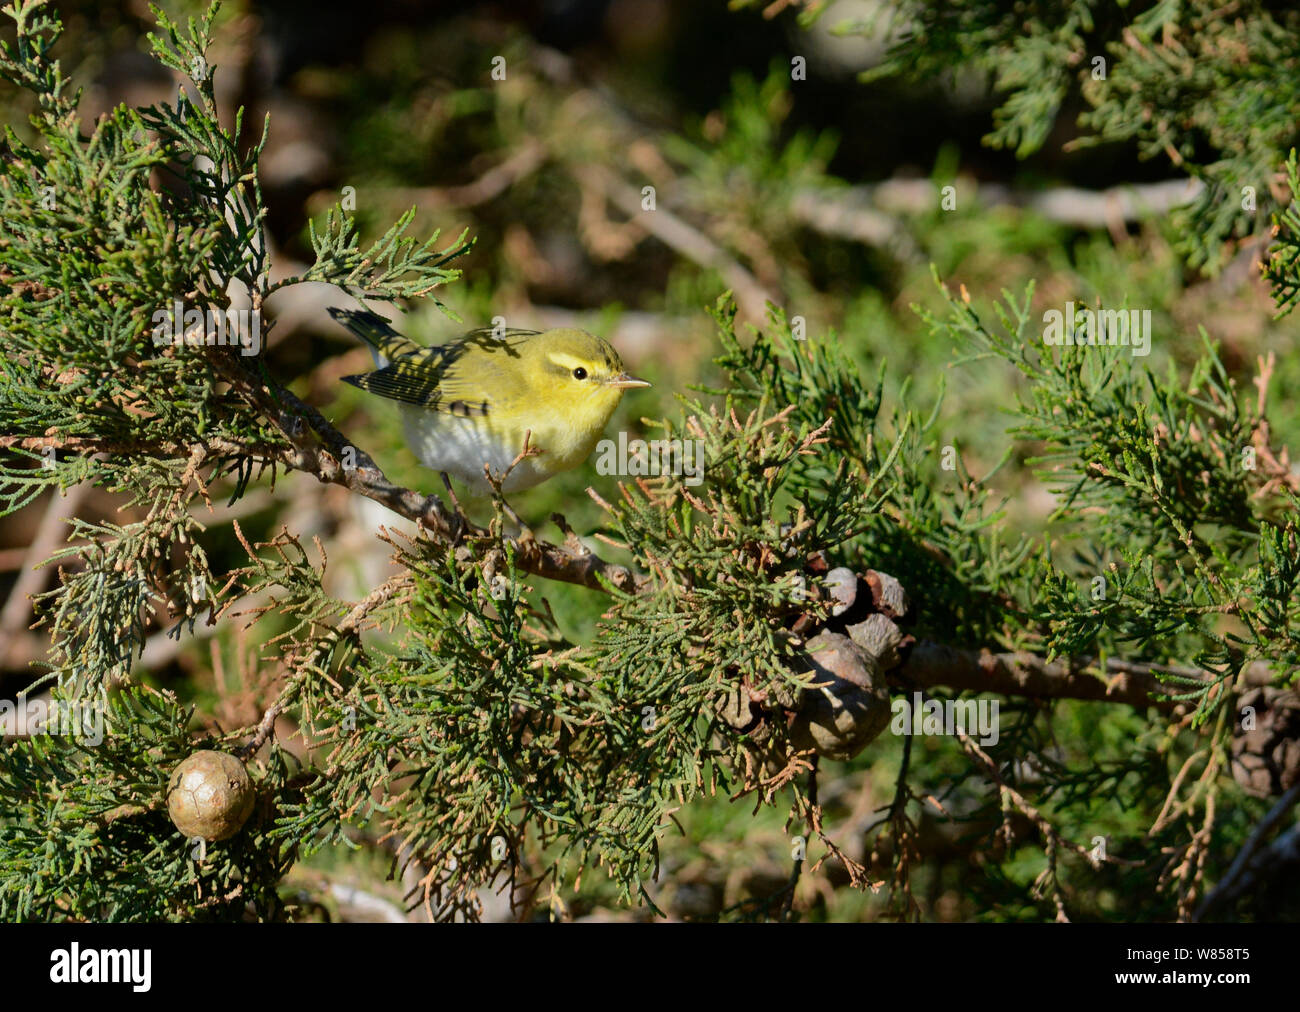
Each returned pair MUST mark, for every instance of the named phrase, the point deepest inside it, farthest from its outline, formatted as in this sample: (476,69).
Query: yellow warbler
(471,402)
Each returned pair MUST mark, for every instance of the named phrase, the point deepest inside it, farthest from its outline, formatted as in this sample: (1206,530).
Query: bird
(472,401)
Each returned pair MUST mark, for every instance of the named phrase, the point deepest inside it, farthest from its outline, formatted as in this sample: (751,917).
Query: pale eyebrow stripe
(563,363)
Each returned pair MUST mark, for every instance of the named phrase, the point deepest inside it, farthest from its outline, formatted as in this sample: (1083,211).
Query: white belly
(461,446)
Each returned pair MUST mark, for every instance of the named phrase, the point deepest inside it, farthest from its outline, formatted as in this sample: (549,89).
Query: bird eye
(580,373)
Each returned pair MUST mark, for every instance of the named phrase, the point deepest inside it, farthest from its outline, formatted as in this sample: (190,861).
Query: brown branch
(1050,835)
(929,664)
(318,448)
(571,563)
(932,665)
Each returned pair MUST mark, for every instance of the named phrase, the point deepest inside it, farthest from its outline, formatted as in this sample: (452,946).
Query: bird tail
(384,342)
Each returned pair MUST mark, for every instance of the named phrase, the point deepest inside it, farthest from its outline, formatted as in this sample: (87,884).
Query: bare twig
(488,186)
(1051,837)
(690,242)
(18,606)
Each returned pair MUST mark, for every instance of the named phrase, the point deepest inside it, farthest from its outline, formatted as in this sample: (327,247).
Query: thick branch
(932,665)
(929,665)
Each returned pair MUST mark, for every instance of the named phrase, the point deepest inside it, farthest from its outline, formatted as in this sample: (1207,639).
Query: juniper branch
(935,665)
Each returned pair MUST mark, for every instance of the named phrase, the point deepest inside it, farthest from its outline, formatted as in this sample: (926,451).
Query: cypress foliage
(450,722)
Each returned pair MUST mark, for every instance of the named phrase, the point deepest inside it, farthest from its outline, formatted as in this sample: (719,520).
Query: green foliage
(87,835)
(507,732)
(90,254)
(488,731)
(1211,88)
(744,167)
(1282,268)
(1172,466)
(381,271)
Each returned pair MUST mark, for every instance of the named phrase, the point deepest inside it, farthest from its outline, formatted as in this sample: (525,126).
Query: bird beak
(624,380)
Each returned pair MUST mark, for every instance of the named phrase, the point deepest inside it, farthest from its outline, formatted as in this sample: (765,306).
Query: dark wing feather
(413,378)
(377,332)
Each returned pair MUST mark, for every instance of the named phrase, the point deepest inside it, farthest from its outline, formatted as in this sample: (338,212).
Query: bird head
(578,372)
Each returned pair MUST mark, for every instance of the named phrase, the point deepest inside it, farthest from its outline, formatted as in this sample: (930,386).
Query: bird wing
(437,378)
